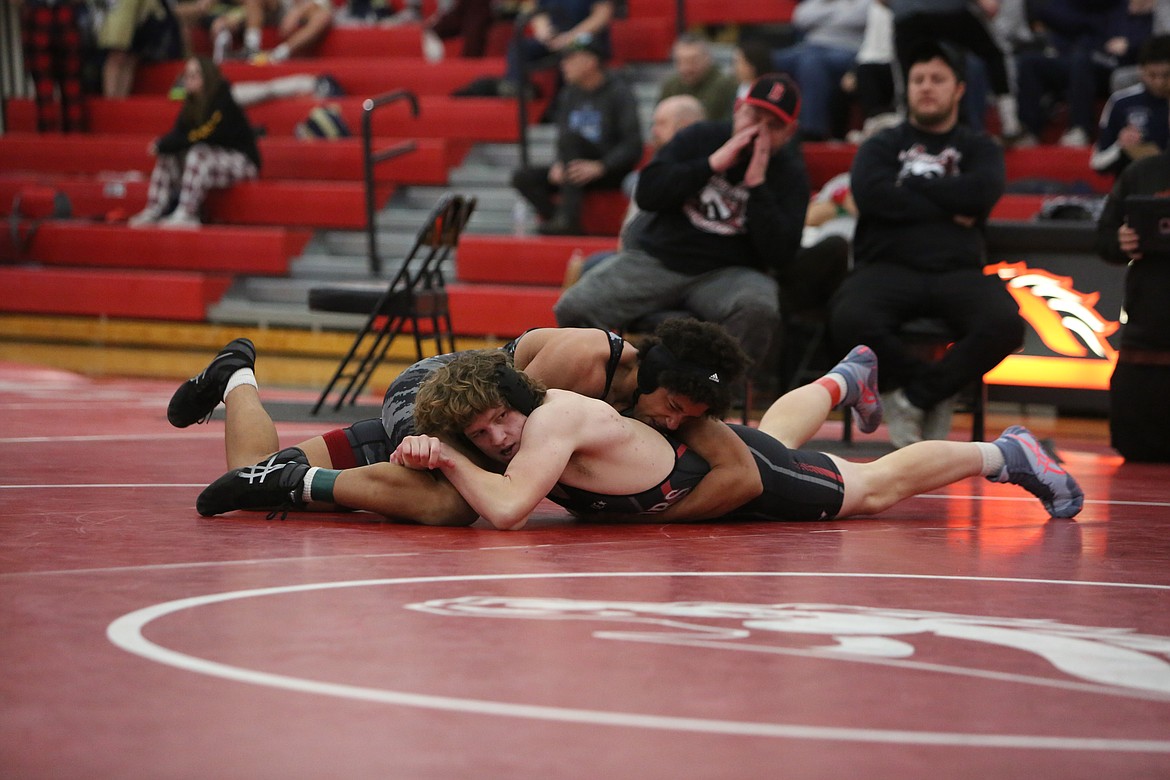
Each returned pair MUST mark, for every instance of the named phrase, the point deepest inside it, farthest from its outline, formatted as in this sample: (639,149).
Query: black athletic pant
(877,298)
(533,183)
(1139,415)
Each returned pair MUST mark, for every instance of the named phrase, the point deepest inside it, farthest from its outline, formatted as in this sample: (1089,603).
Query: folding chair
(417,294)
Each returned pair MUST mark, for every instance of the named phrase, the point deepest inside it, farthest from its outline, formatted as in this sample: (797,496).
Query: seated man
(923,191)
(599,141)
(725,205)
(582,454)
(1134,121)
(697,74)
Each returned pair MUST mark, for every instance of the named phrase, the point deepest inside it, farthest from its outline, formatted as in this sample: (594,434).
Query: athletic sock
(318,484)
(993,461)
(245,376)
(836,385)
(252,39)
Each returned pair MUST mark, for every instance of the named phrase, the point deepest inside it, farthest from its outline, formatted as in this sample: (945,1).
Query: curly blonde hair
(472,383)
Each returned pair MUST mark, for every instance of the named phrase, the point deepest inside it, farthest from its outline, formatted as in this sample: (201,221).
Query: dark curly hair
(699,360)
(472,383)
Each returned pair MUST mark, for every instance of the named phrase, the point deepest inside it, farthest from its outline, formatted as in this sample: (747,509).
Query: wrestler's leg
(798,414)
(923,466)
(250,435)
(400,493)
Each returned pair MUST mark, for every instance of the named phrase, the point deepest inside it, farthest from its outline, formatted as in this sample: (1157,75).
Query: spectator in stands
(965,25)
(751,59)
(696,73)
(599,140)
(133,30)
(872,80)
(210,146)
(554,25)
(670,115)
(1134,123)
(1139,418)
(1080,42)
(726,203)
(470,20)
(923,191)
(831,33)
(53,55)
(300,25)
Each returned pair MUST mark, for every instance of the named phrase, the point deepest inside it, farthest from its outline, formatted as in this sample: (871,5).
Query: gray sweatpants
(631,284)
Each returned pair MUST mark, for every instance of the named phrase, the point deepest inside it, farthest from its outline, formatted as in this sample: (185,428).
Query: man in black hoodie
(923,190)
(725,205)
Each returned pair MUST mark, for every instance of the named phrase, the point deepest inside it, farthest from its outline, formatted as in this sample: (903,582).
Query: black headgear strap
(658,359)
(515,391)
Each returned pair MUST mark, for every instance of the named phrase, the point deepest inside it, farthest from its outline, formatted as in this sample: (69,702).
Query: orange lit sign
(1068,326)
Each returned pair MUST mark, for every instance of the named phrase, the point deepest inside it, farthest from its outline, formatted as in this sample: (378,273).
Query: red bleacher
(141,294)
(504,283)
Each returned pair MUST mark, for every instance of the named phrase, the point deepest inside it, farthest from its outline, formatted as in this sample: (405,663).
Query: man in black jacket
(1139,418)
(923,190)
(726,204)
(599,140)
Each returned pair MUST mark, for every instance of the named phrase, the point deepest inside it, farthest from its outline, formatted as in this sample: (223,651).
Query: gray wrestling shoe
(197,398)
(274,484)
(1029,465)
(860,371)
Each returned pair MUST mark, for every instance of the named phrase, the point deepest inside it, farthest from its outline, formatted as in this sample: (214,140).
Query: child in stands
(211,145)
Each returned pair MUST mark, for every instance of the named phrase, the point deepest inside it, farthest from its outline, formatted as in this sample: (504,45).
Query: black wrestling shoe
(274,484)
(197,398)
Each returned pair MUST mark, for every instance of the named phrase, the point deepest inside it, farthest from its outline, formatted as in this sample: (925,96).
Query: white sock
(1009,118)
(993,462)
(307,485)
(280,53)
(223,42)
(252,39)
(245,376)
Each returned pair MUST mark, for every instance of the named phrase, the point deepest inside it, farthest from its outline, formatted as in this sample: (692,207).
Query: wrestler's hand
(1129,241)
(422,453)
(725,156)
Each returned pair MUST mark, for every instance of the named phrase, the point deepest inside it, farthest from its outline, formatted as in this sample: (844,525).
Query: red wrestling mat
(959,634)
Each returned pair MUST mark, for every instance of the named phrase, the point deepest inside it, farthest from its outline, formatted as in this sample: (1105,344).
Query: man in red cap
(726,204)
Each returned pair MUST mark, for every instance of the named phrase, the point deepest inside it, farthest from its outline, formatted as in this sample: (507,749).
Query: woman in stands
(210,146)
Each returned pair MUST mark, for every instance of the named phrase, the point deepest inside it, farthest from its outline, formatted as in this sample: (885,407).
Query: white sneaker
(180,218)
(432,47)
(936,424)
(405,16)
(903,419)
(148,216)
(1075,138)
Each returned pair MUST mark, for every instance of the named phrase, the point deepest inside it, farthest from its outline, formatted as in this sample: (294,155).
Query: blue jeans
(818,70)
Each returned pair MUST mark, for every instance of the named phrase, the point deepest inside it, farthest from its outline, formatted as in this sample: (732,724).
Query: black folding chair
(416,295)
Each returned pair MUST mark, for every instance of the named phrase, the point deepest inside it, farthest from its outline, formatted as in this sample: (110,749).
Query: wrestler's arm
(504,500)
(734,478)
(572,359)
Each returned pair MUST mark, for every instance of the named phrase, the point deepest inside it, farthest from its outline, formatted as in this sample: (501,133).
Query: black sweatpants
(877,298)
(1139,415)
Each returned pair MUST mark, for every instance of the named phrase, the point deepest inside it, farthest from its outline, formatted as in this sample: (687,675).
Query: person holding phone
(1139,418)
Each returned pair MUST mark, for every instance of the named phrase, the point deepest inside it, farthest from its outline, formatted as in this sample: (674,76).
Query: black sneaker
(197,398)
(274,484)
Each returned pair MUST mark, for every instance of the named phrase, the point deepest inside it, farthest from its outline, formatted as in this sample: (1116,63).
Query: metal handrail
(370,158)
(518,28)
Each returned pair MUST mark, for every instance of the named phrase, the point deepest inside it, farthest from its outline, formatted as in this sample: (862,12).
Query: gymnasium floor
(961,634)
